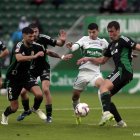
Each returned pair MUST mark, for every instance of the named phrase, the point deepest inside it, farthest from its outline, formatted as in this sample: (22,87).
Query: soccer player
(91,46)
(3,52)
(42,69)
(18,75)
(120,49)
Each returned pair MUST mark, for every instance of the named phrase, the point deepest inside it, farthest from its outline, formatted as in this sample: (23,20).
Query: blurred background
(72,16)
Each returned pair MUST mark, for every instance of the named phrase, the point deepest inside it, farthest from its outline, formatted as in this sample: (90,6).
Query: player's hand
(40,53)
(67,56)
(69,45)
(62,35)
(82,60)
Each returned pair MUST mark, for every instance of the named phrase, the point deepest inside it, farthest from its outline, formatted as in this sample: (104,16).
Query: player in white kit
(91,46)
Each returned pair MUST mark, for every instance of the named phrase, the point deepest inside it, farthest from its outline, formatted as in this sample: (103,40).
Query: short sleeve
(107,52)
(127,42)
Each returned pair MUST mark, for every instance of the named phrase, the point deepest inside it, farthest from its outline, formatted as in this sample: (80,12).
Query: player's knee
(46,90)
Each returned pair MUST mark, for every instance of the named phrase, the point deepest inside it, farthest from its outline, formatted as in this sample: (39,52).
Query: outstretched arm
(63,57)
(62,38)
(97,61)
(137,47)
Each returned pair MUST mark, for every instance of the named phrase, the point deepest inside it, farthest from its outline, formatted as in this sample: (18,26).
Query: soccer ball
(82,110)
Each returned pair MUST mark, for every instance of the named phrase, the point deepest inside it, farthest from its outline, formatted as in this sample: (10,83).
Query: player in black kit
(120,49)
(3,52)
(41,68)
(18,75)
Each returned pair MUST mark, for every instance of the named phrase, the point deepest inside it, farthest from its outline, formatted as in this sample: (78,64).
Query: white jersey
(91,48)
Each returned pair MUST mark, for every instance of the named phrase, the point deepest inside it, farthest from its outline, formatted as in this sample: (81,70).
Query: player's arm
(21,57)
(4,53)
(63,57)
(72,47)
(96,61)
(137,47)
(62,38)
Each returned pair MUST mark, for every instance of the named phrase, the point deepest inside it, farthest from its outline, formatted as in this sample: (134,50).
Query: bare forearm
(53,54)
(25,58)
(4,53)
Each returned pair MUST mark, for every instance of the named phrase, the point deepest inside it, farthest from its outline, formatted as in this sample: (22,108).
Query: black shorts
(15,86)
(119,80)
(44,74)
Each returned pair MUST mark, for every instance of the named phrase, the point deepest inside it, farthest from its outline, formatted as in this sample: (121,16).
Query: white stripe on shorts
(115,76)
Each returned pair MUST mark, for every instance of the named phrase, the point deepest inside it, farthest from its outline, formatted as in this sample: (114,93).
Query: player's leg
(37,101)
(114,110)
(13,93)
(105,101)
(25,104)
(117,116)
(79,85)
(48,99)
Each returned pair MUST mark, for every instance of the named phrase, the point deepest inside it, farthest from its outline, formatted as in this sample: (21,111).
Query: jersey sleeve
(128,42)
(48,40)
(80,42)
(107,52)
(18,48)
(2,46)
(105,43)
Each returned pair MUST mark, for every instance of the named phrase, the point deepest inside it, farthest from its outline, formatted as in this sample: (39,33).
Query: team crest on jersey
(17,50)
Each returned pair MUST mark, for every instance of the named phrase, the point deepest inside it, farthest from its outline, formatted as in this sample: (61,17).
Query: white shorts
(85,77)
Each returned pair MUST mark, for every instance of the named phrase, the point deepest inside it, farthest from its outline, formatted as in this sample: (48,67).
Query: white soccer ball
(82,110)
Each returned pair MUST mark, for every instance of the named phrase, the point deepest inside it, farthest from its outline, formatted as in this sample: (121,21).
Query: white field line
(95,108)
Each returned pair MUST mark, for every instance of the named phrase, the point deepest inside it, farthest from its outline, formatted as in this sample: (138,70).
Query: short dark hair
(33,25)
(27,30)
(114,24)
(92,26)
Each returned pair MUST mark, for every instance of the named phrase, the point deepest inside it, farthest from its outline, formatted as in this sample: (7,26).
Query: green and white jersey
(91,48)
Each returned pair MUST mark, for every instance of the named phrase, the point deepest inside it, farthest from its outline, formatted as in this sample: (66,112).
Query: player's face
(93,34)
(29,38)
(36,33)
(113,33)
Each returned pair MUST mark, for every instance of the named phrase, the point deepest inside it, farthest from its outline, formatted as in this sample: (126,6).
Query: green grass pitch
(63,126)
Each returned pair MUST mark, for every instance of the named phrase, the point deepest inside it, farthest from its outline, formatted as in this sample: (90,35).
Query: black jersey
(45,41)
(20,70)
(121,51)
(42,63)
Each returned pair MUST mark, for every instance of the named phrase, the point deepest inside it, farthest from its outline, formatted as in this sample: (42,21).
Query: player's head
(35,28)
(113,28)
(93,31)
(28,35)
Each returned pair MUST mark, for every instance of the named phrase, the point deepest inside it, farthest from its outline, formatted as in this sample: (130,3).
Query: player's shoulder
(36,44)
(84,38)
(19,44)
(44,36)
(101,39)
(124,38)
